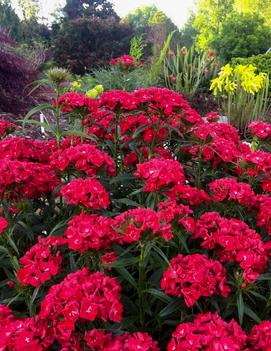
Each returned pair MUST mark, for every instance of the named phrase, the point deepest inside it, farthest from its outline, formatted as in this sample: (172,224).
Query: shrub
(242,35)
(16,73)
(148,231)
(262,62)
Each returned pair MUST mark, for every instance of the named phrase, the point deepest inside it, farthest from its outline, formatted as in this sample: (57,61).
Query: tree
(89,35)
(9,20)
(242,35)
(86,43)
(87,8)
(210,18)
(29,9)
(188,33)
(16,73)
(262,7)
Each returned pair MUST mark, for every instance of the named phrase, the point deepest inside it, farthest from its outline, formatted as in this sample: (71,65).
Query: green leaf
(124,262)
(170,308)
(127,276)
(159,294)
(36,110)
(248,311)
(79,133)
(127,202)
(240,307)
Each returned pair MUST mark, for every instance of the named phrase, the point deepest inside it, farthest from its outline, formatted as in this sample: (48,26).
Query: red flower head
(39,264)
(81,296)
(3,224)
(90,231)
(86,192)
(160,173)
(194,276)
(208,332)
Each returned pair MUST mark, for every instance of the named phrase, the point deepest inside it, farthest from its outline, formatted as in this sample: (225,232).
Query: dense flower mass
(27,179)
(24,149)
(141,220)
(159,172)
(208,332)
(234,241)
(86,192)
(194,276)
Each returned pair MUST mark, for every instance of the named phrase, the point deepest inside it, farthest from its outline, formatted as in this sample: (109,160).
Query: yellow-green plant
(189,72)
(242,94)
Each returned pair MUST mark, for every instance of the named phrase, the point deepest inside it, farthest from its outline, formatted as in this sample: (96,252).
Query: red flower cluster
(160,173)
(81,296)
(132,224)
(190,195)
(70,101)
(98,340)
(23,149)
(24,335)
(86,192)
(194,276)
(229,189)
(208,332)
(39,264)
(125,62)
(3,224)
(260,337)
(90,231)
(234,241)
(171,214)
(83,157)
(261,129)
(27,179)
(6,127)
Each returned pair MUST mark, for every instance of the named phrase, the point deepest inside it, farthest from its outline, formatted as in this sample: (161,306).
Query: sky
(177,10)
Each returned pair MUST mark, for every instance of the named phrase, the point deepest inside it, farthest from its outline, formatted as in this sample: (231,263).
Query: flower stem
(141,285)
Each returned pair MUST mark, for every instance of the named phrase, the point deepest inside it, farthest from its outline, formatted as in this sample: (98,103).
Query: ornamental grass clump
(146,229)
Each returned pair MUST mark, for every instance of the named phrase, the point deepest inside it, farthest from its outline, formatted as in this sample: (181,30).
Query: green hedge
(262,62)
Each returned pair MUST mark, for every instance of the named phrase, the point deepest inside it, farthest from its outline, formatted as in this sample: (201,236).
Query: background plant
(243,94)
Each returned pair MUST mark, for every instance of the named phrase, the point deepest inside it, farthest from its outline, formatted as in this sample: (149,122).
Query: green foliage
(87,8)
(189,72)
(137,46)
(155,69)
(188,33)
(29,9)
(146,16)
(9,20)
(210,17)
(262,62)
(254,37)
(242,93)
(262,7)
(114,79)
(85,43)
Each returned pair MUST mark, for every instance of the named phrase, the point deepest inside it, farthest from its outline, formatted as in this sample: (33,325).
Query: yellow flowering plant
(242,93)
